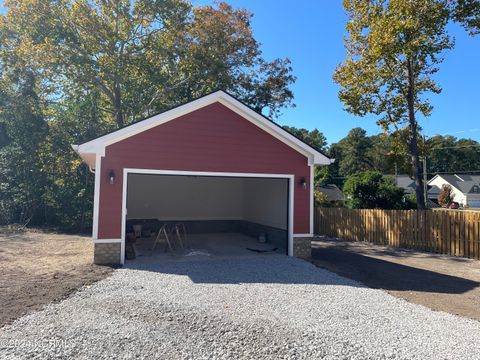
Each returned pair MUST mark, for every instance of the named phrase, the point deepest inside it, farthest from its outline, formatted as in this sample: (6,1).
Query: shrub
(371,190)
(321,199)
(445,196)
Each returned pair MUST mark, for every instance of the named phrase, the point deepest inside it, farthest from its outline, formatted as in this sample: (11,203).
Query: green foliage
(371,190)
(73,70)
(410,202)
(69,197)
(353,152)
(394,48)
(145,56)
(388,154)
(21,180)
(449,154)
(314,138)
(321,199)
(324,175)
(467,12)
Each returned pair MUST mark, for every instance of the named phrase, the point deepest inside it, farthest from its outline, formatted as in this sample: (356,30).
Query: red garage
(214,166)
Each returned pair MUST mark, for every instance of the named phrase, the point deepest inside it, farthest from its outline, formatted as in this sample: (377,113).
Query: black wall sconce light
(111,177)
(303,182)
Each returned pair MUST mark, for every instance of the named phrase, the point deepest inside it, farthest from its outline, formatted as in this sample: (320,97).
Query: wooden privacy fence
(440,231)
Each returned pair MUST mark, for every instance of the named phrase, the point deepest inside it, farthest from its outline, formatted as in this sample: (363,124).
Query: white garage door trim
(127,171)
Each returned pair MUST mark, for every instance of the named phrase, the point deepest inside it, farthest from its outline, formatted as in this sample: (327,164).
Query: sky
(310,33)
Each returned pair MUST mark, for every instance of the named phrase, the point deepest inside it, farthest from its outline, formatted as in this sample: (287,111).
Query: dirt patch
(37,268)
(443,283)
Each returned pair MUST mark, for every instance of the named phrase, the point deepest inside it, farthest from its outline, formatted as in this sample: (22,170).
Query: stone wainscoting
(107,253)
(302,247)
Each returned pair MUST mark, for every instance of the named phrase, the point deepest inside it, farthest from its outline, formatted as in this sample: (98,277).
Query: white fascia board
(98,145)
(88,157)
(432,179)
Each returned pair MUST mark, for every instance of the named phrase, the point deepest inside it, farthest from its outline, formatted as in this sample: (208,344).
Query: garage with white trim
(218,214)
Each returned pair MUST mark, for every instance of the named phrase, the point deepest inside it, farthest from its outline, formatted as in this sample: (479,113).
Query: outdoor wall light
(111,177)
(303,182)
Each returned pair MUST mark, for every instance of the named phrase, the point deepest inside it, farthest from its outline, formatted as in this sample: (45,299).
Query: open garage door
(221,215)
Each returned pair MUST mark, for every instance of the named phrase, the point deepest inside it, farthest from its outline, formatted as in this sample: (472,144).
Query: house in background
(405,182)
(465,188)
(333,193)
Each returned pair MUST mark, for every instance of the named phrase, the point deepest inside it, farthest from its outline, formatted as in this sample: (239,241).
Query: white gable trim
(438,176)
(433,179)
(98,145)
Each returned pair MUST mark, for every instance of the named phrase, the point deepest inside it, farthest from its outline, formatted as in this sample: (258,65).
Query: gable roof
(463,182)
(332,191)
(90,149)
(403,181)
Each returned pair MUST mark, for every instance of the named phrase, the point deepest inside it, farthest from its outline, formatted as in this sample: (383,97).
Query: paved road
(255,307)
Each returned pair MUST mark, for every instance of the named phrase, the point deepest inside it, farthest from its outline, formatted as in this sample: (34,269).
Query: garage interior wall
(265,201)
(171,197)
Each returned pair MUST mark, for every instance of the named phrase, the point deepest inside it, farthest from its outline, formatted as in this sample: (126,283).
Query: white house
(465,188)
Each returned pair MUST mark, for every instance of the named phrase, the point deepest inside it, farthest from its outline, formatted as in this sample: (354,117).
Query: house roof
(463,182)
(404,182)
(332,191)
(90,149)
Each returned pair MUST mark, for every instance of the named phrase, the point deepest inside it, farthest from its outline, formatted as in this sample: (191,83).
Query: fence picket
(440,231)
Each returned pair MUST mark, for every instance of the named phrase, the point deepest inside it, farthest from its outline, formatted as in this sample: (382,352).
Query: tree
(393,49)
(389,154)
(448,154)
(467,12)
(69,196)
(21,181)
(445,197)
(146,56)
(315,138)
(354,152)
(71,70)
(371,190)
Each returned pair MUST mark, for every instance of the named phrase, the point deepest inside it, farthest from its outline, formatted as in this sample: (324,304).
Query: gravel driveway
(255,307)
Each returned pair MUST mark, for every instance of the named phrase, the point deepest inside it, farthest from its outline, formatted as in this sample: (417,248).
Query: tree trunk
(413,145)
(117,103)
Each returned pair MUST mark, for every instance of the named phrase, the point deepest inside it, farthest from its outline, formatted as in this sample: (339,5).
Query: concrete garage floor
(214,245)
(440,282)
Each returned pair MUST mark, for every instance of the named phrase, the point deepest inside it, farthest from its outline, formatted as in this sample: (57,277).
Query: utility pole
(424,158)
(396,174)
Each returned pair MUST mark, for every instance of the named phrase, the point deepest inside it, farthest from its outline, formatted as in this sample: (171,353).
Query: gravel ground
(257,307)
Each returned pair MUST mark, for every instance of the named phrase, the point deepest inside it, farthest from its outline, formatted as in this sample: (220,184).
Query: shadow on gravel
(264,269)
(380,274)
(382,250)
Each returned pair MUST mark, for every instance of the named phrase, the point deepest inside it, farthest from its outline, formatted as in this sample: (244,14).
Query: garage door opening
(206,215)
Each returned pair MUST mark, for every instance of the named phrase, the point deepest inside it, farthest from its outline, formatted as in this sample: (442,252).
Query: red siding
(213,138)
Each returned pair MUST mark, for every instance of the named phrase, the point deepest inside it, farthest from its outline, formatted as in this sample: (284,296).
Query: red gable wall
(214,139)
